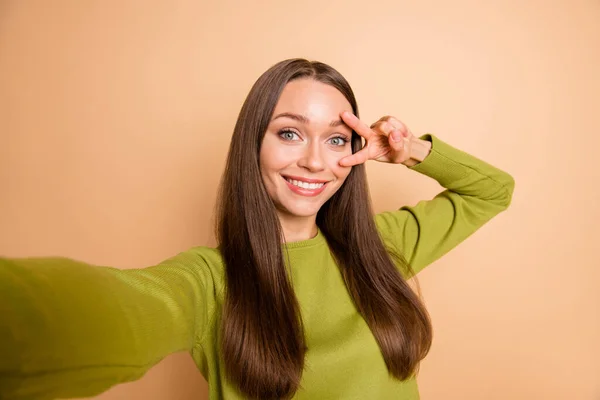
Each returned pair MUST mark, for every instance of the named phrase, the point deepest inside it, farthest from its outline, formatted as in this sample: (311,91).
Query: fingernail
(396,136)
(387,127)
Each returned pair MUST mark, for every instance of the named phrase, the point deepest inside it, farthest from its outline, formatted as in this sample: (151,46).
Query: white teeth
(305,185)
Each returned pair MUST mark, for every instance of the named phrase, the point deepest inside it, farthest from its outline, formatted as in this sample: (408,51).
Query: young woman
(306,295)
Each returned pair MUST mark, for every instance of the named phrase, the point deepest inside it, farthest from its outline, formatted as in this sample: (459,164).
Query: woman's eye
(338,141)
(288,135)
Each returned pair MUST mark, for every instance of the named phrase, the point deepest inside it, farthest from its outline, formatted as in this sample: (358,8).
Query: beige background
(115,117)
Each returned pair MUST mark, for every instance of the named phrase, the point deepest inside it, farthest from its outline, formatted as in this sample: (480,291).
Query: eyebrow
(303,119)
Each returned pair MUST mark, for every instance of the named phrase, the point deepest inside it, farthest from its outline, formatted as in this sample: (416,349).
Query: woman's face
(302,146)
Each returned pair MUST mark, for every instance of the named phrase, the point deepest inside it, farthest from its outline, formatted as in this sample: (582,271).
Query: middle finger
(357,125)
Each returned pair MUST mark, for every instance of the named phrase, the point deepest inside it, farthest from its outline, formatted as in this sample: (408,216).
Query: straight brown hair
(262,340)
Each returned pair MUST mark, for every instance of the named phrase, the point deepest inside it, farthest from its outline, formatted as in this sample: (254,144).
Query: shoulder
(205,262)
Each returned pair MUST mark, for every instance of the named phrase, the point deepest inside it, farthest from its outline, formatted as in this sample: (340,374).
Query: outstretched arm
(69,329)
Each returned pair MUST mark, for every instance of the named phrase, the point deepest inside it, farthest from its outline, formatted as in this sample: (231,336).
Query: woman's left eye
(338,141)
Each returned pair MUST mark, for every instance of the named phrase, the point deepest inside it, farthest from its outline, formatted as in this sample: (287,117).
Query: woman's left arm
(475,191)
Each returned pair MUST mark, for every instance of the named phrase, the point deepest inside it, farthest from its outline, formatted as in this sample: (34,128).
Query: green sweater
(69,329)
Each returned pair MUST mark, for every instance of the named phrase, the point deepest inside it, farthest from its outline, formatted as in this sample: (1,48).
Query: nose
(311,158)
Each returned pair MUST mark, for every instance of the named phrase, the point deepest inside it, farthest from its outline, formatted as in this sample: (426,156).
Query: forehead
(316,100)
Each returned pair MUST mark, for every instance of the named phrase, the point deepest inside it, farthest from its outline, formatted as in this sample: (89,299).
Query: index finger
(357,125)
(359,157)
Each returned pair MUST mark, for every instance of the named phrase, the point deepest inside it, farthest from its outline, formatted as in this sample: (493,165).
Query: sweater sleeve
(70,329)
(475,192)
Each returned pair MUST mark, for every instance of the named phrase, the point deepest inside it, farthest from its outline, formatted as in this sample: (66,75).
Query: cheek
(270,156)
(274,158)
(341,173)
(274,161)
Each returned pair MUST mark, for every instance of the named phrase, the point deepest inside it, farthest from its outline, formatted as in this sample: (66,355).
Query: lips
(305,187)
(307,180)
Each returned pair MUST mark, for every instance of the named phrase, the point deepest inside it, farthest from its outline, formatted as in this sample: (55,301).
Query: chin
(299,212)
(302,214)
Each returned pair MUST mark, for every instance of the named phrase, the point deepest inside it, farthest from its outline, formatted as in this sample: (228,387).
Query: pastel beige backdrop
(115,118)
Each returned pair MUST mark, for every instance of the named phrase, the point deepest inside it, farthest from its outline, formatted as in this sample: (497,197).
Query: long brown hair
(262,335)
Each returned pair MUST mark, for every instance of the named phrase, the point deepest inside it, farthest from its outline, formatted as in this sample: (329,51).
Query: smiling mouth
(305,185)
(305,188)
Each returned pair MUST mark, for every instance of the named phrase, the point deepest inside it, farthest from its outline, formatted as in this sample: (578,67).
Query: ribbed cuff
(440,164)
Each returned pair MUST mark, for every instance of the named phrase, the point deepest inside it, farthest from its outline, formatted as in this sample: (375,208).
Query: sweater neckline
(317,240)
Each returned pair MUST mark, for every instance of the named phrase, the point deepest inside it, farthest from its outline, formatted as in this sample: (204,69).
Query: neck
(296,229)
